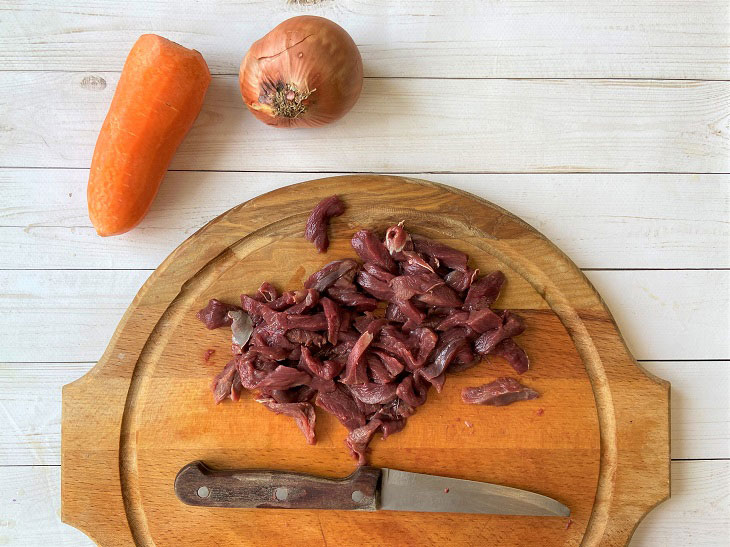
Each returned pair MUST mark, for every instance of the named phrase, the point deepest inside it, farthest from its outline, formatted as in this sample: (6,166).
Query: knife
(367,489)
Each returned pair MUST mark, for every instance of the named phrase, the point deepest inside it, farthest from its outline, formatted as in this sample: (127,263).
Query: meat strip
(503,391)
(316,229)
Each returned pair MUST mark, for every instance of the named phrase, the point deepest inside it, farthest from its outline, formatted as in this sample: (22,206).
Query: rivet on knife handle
(197,484)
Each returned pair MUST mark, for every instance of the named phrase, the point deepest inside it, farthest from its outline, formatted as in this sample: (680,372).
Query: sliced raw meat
(303,414)
(326,277)
(503,391)
(484,291)
(316,230)
(370,249)
(215,314)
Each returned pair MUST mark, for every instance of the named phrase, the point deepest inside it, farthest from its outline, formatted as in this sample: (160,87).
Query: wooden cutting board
(597,439)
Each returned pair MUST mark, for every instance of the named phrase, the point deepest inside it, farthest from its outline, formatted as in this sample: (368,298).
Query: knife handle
(198,484)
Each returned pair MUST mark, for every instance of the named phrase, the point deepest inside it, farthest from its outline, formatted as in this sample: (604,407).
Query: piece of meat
(422,341)
(374,286)
(461,281)
(316,229)
(406,286)
(332,315)
(358,440)
(377,371)
(436,381)
(511,325)
(409,311)
(370,249)
(322,279)
(215,314)
(374,393)
(356,369)
(249,374)
(311,299)
(376,271)
(414,264)
(478,320)
(254,308)
(341,404)
(279,395)
(390,427)
(464,360)
(442,296)
(394,343)
(305,338)
(275,353)
(351,298)
(412,391)
(397,240)
(393,365)
(324,369)
(314,322)
(443,356)
(321,385)
(450,257)
(303,414)
(503,391)
(222,383)
(394,313)
(484,291)
(367,409)
(288,299)
(303,394)
(513,354)
(284,377)
(268,292)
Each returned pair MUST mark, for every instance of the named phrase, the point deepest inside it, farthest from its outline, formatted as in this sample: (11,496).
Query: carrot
(159,95)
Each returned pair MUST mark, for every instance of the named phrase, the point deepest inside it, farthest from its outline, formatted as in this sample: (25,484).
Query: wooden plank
(696,514)
(30,498)
(668,315)
(663,315)
(30,402)
(404,125)
(700,407)
(30,409)
(633,39)
(600,221)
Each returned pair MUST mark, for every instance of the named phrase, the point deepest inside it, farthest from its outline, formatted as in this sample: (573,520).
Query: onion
(306,72)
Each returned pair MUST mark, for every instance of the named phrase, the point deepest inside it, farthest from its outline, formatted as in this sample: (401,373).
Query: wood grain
(30,401)
(516,39)
(600,221)
(147,364)
(657,311)
(494,126)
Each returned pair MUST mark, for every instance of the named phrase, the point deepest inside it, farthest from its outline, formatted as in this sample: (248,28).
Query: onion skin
(306,72)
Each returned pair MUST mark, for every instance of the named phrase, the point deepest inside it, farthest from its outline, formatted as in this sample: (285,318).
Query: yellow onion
(306,72)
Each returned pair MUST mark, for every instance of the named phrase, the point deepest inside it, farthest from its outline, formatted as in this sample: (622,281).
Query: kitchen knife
(367,489)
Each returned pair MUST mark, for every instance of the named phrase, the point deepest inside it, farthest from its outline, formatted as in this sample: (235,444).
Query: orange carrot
(159,95)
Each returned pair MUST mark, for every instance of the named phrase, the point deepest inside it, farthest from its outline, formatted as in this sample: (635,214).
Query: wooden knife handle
(198,484)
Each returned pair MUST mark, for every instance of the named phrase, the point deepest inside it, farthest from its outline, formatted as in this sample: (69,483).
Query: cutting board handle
(198,484)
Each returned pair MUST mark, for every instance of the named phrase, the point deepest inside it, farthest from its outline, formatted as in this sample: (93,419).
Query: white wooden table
(606,125)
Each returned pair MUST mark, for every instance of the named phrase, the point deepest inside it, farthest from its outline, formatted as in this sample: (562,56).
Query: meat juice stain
(540,411)
(567,524)
(208,354)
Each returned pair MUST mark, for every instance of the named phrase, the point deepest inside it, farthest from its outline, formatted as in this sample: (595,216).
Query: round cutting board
(597,439)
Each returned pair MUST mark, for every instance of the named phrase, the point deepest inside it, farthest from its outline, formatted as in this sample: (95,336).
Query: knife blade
(367,489)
